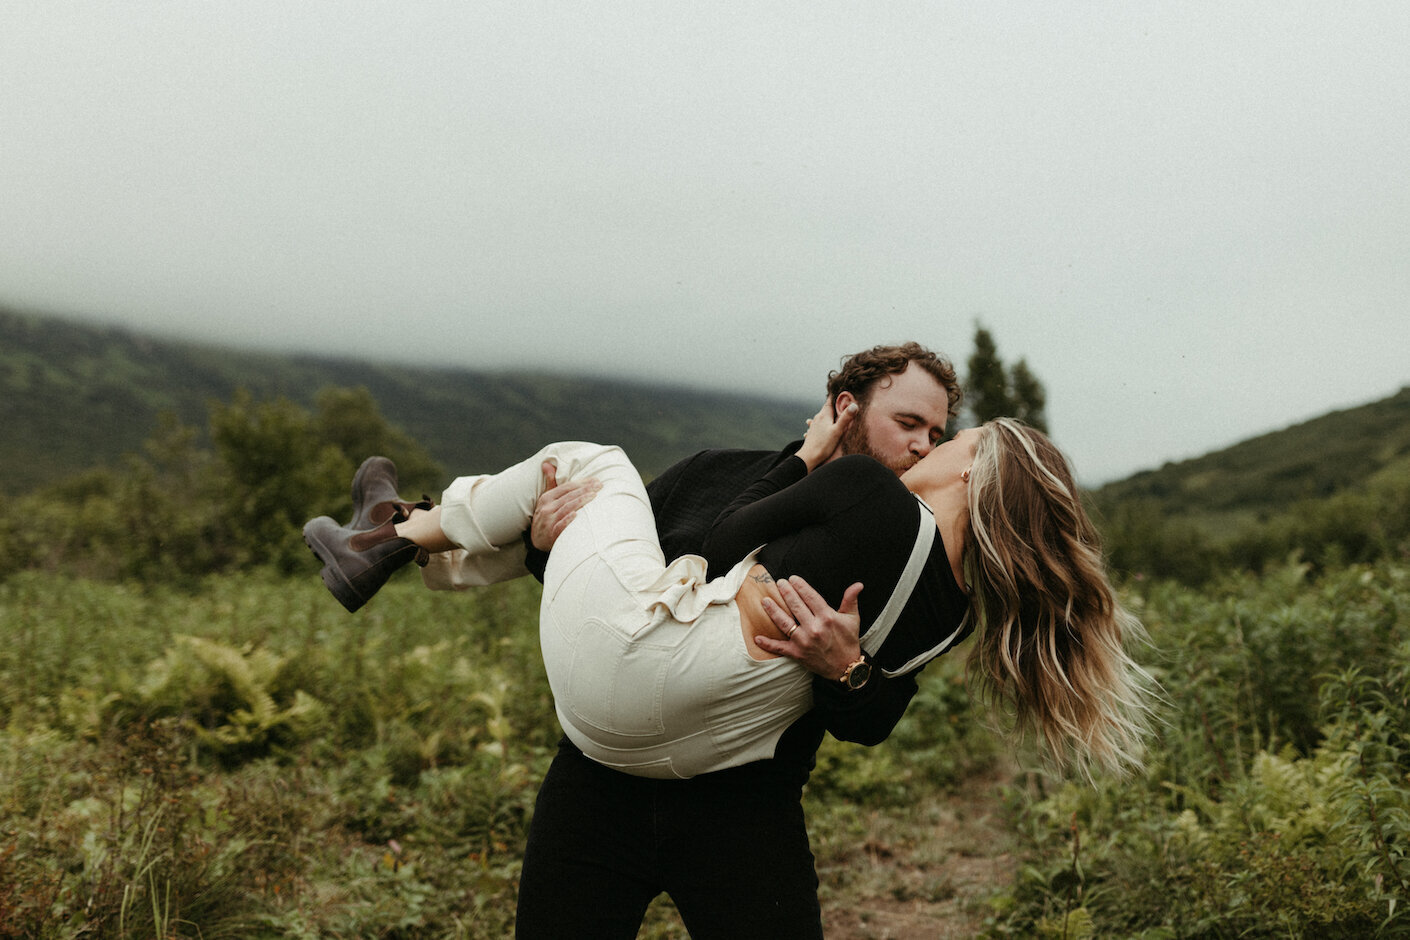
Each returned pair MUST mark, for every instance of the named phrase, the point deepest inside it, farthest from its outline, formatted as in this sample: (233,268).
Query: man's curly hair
(860,373)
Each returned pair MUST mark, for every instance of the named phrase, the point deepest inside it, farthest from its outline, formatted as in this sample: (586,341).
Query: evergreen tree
(994,391)
(1029,398)
(987,385)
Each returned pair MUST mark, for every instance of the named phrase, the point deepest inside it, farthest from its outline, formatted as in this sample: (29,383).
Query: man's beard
(855,440)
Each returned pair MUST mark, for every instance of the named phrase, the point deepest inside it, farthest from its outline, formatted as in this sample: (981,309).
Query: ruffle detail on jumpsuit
(683,591)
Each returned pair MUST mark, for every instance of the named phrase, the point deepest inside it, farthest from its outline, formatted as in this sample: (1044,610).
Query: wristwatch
(856,675)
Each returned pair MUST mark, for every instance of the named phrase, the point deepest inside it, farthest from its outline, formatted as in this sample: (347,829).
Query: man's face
(901,422)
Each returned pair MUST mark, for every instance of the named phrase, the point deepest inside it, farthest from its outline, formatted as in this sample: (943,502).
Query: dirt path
(920,872)
(925,874)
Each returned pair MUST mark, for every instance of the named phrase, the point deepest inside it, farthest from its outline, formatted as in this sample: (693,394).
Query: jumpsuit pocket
(616,683)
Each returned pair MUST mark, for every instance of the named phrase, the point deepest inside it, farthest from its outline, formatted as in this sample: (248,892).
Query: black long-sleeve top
(849,520)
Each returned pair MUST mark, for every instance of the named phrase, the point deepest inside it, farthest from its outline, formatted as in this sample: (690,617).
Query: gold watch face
(858,675)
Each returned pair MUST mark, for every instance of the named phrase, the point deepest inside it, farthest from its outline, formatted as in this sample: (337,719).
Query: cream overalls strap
(876,634)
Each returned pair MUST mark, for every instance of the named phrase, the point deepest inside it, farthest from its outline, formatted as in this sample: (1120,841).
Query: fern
(226,696)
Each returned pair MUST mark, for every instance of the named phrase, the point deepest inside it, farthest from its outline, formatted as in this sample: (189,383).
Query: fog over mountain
(1189,218)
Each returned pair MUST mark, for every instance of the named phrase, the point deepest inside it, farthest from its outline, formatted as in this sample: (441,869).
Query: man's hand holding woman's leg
(558,506)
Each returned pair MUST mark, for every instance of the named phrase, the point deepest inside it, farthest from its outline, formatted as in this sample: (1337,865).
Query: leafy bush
(179,511)
(1276,803)
(1151,533)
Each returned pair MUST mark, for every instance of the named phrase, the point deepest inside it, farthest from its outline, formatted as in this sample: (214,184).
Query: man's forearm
(863,716)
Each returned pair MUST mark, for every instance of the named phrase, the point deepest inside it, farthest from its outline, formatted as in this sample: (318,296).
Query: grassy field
(244,759)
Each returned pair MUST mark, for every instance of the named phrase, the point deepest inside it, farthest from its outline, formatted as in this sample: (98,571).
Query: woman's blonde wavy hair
(1051,635)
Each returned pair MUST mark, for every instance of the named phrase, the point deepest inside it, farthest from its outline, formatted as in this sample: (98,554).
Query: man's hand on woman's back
(824,640)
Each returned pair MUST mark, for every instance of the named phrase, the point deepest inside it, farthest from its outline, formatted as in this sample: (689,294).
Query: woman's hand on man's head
(825,432)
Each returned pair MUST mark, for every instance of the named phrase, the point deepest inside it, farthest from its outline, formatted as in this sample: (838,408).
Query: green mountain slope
(74,396)
(1311,460)
(1331,490)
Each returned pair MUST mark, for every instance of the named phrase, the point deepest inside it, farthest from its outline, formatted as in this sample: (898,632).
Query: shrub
(1276,802)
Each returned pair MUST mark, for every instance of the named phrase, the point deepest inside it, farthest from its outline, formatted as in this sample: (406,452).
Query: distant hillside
(1312,460)
(1332,490)
(73,396)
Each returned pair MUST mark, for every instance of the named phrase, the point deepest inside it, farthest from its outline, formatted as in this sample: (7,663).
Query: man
(730,847)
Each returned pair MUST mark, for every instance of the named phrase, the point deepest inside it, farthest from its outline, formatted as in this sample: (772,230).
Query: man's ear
(843,400)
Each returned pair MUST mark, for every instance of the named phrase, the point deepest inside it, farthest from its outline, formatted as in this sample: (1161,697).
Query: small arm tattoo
(762,577)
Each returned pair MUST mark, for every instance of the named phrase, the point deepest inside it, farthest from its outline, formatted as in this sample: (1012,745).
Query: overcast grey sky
(1192,219)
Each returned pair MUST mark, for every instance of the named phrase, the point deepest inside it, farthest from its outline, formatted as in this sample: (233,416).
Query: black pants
(730,848)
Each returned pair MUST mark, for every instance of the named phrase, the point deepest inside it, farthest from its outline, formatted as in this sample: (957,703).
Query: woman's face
(953,457)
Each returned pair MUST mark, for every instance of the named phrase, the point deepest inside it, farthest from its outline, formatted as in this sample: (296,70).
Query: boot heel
(356,564)
(333,579)
(340,589)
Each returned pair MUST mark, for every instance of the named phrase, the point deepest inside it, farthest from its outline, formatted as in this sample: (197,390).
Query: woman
(655,670)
